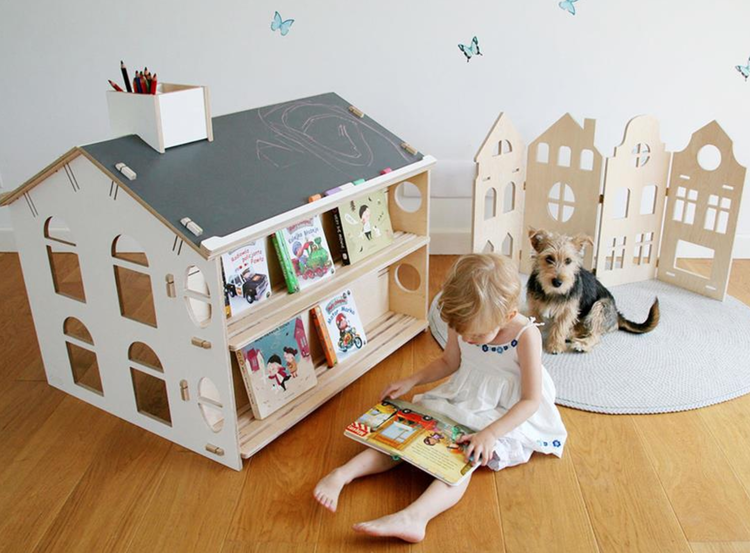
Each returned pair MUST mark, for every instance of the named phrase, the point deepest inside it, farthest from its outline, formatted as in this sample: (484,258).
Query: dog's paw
(554,349)
(580,346)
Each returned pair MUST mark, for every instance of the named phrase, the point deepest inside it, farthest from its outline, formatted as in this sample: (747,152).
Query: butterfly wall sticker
(471,50)
(568,6)
(744,69)
(280,25)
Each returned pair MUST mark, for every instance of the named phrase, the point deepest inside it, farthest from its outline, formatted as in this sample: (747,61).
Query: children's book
(363,226)
(417,435)
(277,367)
(341,326)
(304,254)
(246,280)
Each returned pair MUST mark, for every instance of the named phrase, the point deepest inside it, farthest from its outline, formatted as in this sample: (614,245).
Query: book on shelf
(363,226)
(340,327)
(304,254)
(246,280)
(277,367)
(417,435)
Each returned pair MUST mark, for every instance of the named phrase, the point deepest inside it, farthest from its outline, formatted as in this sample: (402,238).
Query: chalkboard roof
(262,162)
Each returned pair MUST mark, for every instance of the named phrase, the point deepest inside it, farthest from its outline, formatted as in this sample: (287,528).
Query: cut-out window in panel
(542,152)
(648,199)
(126,248)
(76,329)
(144,355)
(621,206)
(695,259)
(489,247)
(85,368)
(197,296)
(57,230)
(563,156)
(643,247)
(151,396)
(490,204)
(587,160)
(641,154)
(407,277)
(561,202)
(616,254)
(135,295)
(64,264)
(709,157)
(503,147)
(507,248)
(210,404)
(684,206)
(509,197)
(717,214)
(408,197)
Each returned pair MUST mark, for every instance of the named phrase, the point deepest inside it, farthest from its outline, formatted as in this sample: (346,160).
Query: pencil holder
(176,114)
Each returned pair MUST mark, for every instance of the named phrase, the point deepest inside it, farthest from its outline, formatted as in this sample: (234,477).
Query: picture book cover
(277,367)
(363,226)
(246,281)
(304,254)
(342,323)
(417,435)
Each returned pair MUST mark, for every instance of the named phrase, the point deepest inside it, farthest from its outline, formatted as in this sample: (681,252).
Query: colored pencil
(137,84)
(116,86)
(125,75)
(153,84)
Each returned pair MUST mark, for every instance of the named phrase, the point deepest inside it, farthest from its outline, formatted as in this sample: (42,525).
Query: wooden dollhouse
(695,201)
(140,330)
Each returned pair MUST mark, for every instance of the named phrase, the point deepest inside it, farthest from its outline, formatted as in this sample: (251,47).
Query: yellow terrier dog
(578,306)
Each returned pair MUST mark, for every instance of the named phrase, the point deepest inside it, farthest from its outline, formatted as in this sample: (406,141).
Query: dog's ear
(580,241)
(538,239)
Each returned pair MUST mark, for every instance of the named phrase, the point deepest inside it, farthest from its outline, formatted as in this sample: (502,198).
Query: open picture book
(417,435)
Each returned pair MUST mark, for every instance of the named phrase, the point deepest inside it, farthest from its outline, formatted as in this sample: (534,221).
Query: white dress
(486,385)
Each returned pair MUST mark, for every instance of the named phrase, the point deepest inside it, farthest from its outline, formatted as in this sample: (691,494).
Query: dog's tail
(640,328)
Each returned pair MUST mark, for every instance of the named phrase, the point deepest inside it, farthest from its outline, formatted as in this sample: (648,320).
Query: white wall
(396,60)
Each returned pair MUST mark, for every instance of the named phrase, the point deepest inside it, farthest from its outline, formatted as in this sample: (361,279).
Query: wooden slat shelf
(282,305)
(385,335)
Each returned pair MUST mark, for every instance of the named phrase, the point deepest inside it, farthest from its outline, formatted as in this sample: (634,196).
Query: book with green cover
(363,226)
(417,435)
(303,253)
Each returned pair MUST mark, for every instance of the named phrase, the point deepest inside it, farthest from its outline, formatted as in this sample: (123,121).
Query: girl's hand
(397,389)
(481,446)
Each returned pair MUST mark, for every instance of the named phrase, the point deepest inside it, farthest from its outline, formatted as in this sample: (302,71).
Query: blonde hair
(480,292)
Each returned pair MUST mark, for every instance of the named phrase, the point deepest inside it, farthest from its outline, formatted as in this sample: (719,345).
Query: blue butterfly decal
(568,6)
(278,25)
(744,69)
(470,50)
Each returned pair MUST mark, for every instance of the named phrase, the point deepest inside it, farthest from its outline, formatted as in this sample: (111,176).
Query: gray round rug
(696,357)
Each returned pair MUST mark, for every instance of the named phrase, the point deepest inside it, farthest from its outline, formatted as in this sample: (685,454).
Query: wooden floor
(73,478)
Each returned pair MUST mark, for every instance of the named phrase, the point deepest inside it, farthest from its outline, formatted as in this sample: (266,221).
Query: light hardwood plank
(721,547)
(104,510)
(707,497)
(268,547)
(625,500)
(196,496)
(43,473)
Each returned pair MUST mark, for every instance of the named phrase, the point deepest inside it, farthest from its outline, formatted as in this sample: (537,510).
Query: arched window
(509,197)
(563,156)
(149,386)
(63,260)
(542,152)
(133,281)
(490,204)
(81,355)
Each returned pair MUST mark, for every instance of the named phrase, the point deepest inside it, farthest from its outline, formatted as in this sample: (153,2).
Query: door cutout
(695,259)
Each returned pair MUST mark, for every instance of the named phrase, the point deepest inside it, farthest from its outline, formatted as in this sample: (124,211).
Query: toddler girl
(497,386)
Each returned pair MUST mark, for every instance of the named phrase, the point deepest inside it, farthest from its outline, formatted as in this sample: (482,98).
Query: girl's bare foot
(399,525)
(328,489)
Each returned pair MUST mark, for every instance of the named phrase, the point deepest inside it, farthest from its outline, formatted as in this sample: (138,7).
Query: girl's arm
(441,367)
(530,359)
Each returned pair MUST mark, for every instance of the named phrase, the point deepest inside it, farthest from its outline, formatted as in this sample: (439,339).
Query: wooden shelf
(385,335)
(281,306)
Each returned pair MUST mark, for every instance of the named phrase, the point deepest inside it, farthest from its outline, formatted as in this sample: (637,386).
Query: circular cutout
(209,402)
(408,197)
(408,277)
(709,157)
(561,202)
(641,154)
(197,297)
